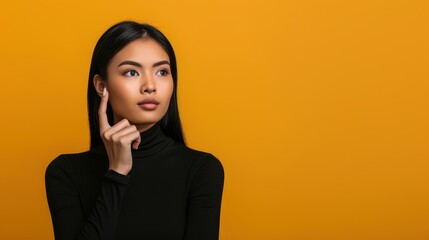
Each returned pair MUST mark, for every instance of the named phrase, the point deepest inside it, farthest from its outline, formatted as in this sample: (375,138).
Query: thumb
(136,143)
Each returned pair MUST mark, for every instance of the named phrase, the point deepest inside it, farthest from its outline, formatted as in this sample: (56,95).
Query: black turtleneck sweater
(172,192)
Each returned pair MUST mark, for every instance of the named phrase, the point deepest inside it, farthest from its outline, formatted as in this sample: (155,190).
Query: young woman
(138,180)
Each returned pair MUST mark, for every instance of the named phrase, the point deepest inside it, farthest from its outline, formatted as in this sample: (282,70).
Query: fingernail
(104,91)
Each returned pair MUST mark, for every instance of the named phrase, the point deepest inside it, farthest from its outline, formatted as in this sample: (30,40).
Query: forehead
(142,50)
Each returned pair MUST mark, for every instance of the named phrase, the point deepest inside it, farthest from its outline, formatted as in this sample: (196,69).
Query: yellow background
(318,109)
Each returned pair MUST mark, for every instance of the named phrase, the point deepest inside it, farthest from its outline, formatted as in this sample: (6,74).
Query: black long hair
(110,43)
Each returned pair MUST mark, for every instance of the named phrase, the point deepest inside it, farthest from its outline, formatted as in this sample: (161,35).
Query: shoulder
(201,163)
(196,157)
(68,163)
(65,161)
(208,161)
(61,162)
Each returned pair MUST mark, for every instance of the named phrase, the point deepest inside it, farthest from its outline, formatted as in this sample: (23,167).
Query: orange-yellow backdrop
(318,109)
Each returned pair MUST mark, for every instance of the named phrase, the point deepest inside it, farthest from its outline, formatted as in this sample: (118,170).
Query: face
(139,83)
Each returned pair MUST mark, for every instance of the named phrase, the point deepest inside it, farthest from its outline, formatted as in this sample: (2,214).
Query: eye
(131,73)
(162,72)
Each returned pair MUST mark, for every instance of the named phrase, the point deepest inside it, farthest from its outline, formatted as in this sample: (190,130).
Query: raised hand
(117,139)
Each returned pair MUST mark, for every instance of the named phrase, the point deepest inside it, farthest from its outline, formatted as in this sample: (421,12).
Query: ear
(99,84)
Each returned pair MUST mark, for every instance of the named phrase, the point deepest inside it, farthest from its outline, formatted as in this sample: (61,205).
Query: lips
(148,104)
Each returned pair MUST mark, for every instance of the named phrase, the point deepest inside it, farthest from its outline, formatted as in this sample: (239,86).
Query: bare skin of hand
(117,139)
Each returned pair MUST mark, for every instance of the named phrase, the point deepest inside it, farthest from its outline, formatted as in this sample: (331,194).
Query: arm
(68,219)
(203,211)
(63,197)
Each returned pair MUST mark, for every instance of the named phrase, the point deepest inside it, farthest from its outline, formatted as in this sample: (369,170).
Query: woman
(138,180)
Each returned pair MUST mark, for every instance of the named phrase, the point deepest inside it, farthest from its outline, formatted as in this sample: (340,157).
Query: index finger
(102,116)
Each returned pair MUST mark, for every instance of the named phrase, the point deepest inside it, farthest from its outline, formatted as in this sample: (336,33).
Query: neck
(151,141)
(144,127)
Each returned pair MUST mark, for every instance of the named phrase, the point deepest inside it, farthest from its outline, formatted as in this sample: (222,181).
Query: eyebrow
(140,66)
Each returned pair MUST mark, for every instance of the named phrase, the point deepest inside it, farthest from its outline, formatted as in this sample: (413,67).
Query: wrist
(114,176)
(123,170)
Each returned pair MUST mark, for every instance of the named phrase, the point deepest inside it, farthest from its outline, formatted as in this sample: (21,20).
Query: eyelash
(127,73)
(166,72)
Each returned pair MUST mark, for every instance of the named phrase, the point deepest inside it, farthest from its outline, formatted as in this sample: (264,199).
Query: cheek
(119,94)
(168,90)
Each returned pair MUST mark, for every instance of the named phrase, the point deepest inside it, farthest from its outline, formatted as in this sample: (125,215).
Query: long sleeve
(69,220)
(204,204)
(172,192)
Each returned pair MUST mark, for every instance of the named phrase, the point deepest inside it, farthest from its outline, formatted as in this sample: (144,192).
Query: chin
(141,119)
(146,120)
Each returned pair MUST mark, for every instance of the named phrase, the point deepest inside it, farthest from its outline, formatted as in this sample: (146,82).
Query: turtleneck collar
(152,141)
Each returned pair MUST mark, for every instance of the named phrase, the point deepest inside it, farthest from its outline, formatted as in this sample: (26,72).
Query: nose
(148,85)
(150,90)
